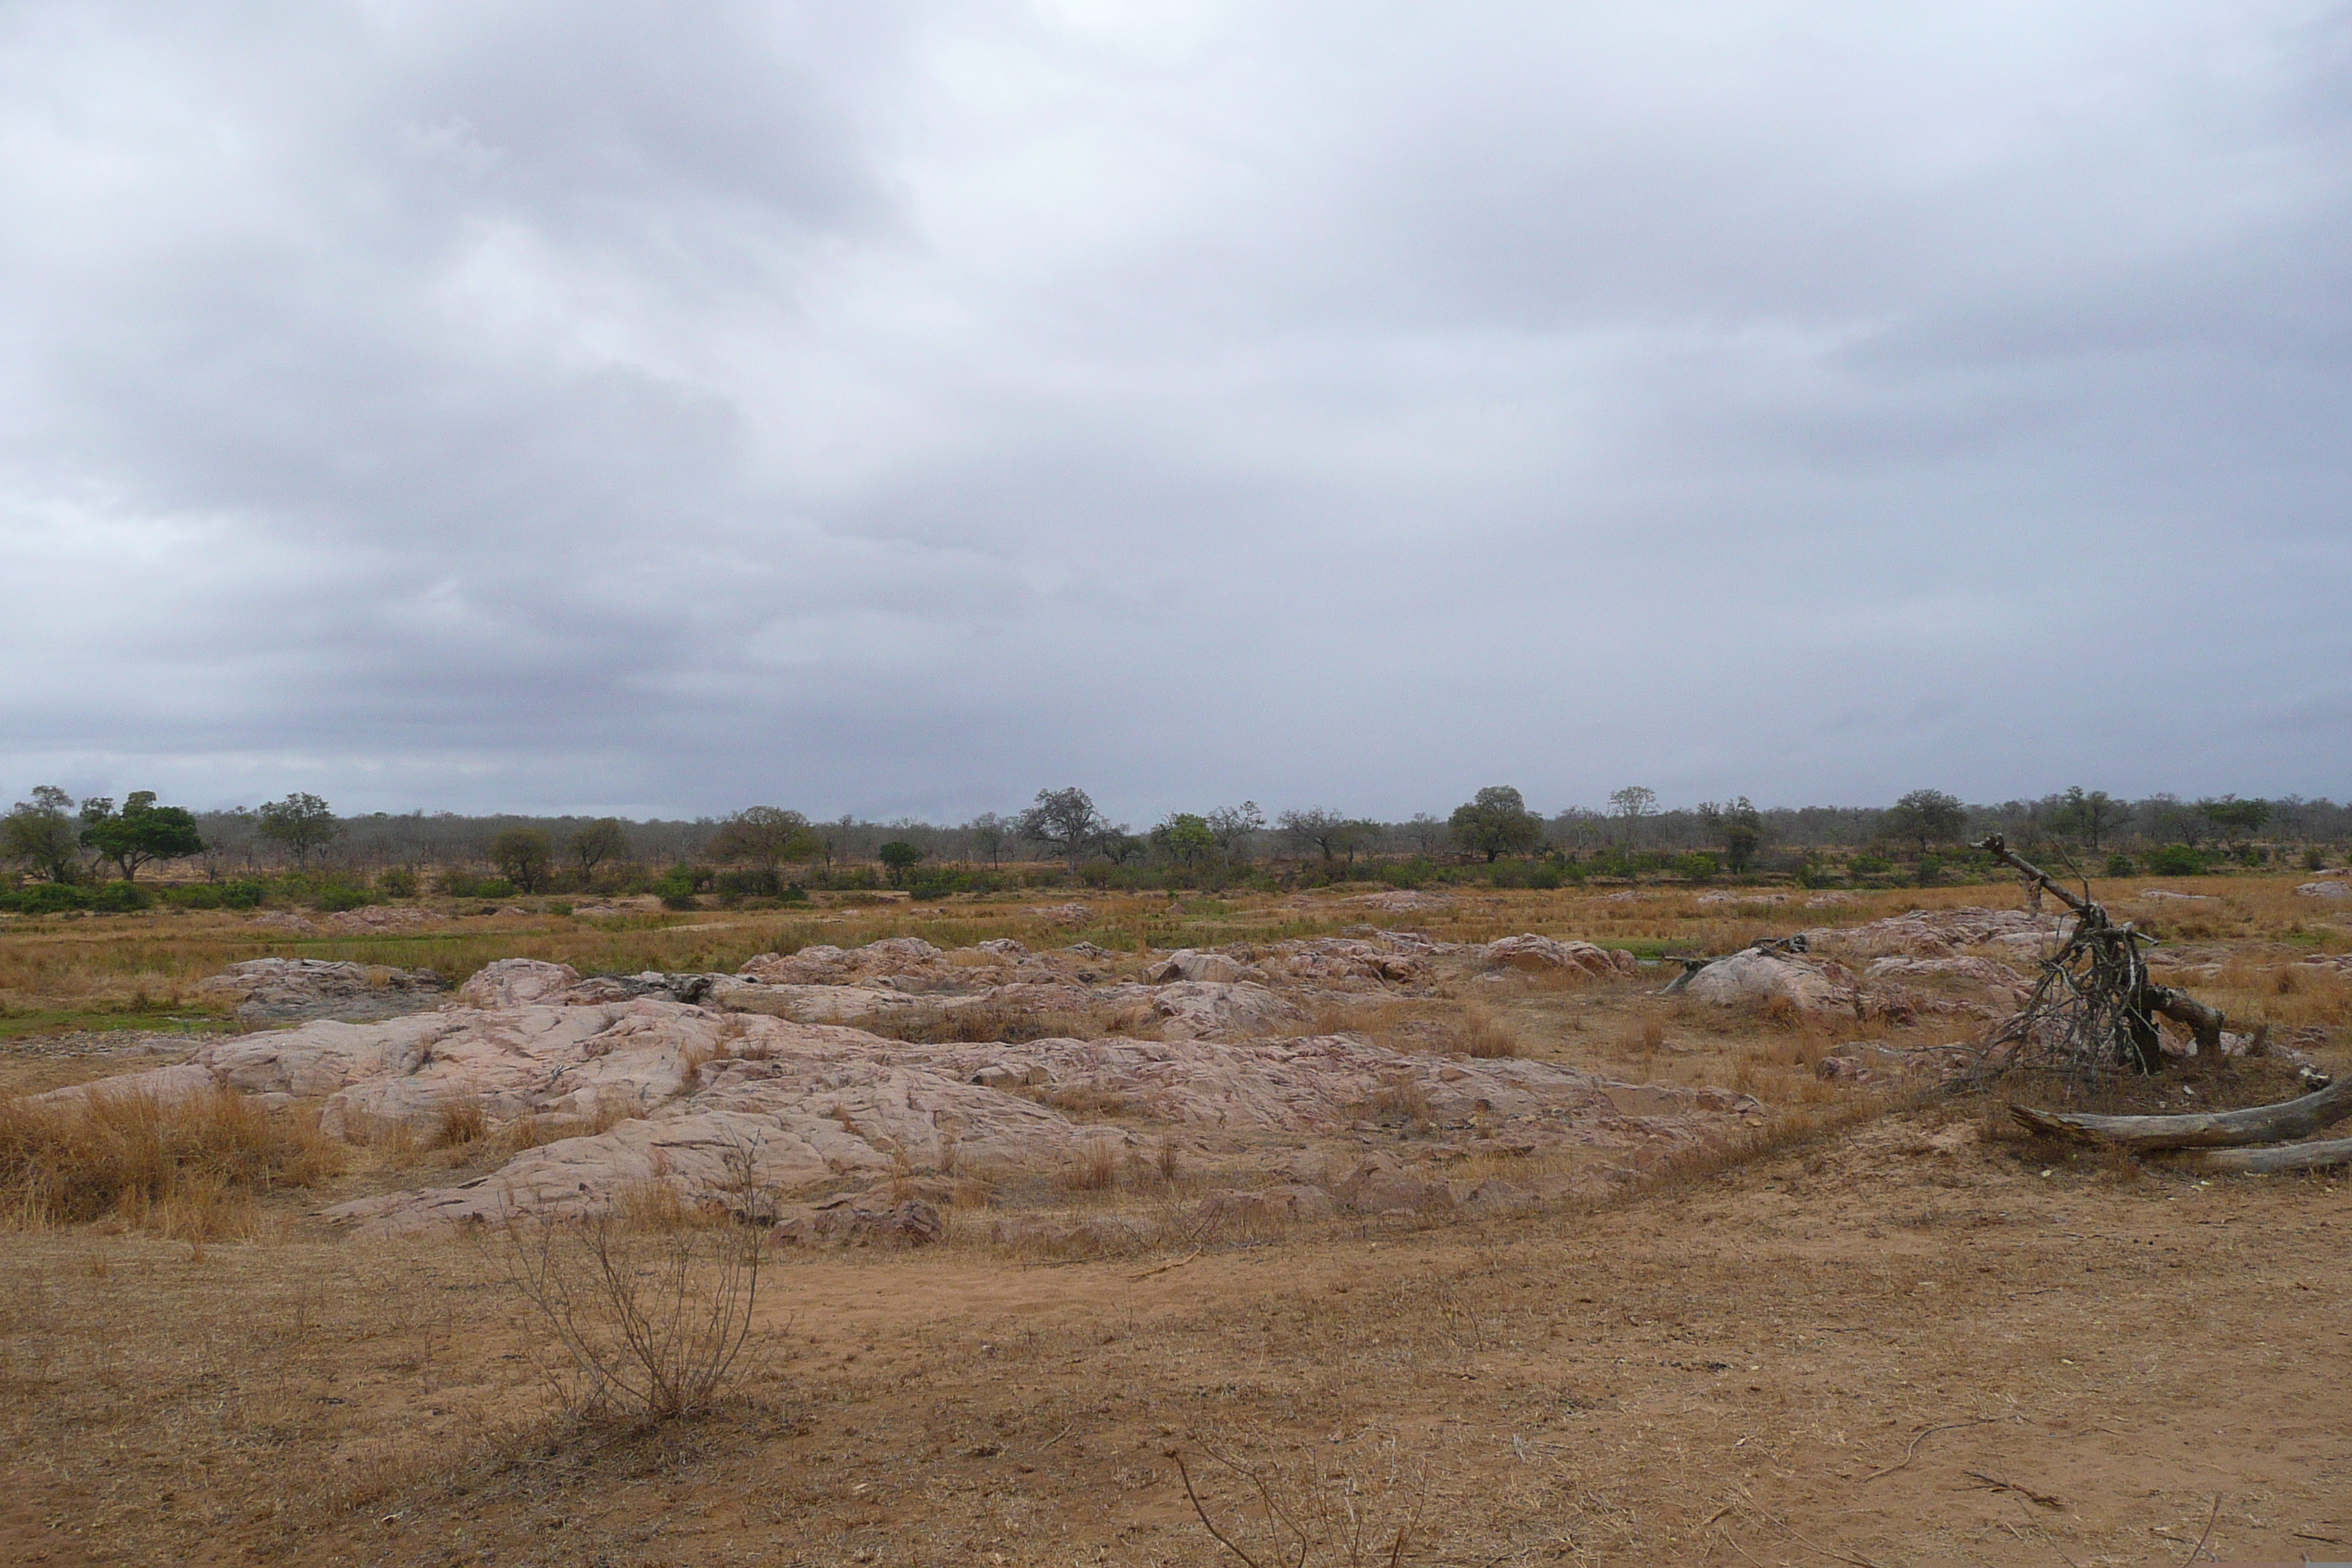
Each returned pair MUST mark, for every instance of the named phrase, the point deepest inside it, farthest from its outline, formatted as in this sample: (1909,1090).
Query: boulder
(1005,948)
(823,964)
(1754,977)
(2326,890)
(1202,1009)
(381,917)
(1073,914)
(272,990)
(816,1108)
(1188,963)
(1381,1184)
(2166,896)
(860,1219)
(1940,933)
(1404,901)
(516,983)
(1532,952)
(1327,959)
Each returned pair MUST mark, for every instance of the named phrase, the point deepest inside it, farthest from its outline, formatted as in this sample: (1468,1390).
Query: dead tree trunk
(2204,1130)
(2268,1161)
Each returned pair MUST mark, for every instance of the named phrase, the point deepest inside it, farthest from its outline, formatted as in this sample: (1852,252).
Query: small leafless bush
(648,1322)
(1313,1516)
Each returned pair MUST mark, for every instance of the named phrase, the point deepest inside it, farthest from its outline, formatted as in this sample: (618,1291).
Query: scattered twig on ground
(1994,1483)
(1924,1433)
(1164,1268)
(2199,1550)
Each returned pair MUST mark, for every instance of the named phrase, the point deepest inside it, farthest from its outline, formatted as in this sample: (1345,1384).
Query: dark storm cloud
(896,408)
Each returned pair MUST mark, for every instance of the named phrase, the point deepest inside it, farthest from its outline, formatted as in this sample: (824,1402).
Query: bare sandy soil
(1901,1333)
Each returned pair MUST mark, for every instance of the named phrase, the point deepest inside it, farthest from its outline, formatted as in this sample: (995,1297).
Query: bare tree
(988,832)
(1326,831)
(1232,826)
(1633,802)
(1065,821)
(592,845)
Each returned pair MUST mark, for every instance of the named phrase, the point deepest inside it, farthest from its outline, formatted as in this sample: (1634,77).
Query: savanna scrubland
(1357,1223)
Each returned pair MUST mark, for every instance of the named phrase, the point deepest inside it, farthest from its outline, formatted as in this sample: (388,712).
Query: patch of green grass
(66,1021)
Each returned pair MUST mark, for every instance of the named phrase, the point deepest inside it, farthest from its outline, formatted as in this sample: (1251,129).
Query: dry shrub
(1091,1168)
(1309,1514)
(648,1325)
(991,1023)
(1403,1097)
(654,1206)
(1083,1102)
(461,1122)
(1481,1034)
(188,1166)
(1640,1037)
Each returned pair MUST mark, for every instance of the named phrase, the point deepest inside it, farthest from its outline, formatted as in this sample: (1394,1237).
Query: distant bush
(396,883)
(1699,865)
(1869,865)
(238,895)
(759,883)
(42,898)
(2121,865)
(2175,860)
(456,884)
(336,897)
(117,897)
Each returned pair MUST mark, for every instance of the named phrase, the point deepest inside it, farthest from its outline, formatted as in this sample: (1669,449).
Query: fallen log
(2201,1129)
(2265,1162)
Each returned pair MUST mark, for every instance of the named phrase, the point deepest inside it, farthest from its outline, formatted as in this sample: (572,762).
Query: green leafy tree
(1186,838)
(601,840)
(1924,816)
(2229,815)
(898,857)
(1065,821)
(1739,828)
(302,824)
(141,832)
(525,856)
(1497,822)
(767,837)
(39,832)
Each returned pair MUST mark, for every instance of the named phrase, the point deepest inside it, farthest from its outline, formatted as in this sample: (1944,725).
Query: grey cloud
(897,408)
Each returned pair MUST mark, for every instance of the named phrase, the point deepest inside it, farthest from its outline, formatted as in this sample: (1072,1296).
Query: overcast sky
(897,408)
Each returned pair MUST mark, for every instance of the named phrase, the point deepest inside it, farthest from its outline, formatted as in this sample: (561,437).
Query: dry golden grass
(186,1166)
(1093,1168)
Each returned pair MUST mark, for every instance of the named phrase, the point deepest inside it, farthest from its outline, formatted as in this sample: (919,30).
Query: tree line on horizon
(53,837)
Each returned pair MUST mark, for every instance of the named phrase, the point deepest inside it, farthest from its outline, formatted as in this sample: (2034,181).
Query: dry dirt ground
(1899,1334)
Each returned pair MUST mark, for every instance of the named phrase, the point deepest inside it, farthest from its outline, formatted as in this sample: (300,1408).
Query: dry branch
(2201,1129)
